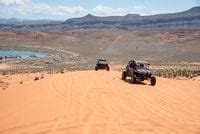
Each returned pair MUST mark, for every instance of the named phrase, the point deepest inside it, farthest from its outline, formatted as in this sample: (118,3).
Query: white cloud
(13,2)
(139,9)
(41,11)
(108,11)
(25,9)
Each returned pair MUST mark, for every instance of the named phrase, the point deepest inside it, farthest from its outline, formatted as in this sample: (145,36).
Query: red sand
(98,102)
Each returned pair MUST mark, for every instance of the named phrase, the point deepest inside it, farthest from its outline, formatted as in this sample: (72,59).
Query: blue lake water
(22,54)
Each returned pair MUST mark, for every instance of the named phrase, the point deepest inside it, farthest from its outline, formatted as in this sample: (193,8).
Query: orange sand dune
(99,102)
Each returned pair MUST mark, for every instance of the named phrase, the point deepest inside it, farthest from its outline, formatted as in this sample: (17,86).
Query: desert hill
(182,20)
(186,19)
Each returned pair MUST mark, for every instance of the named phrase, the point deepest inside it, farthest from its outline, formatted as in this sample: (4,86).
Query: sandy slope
(3,66)
(99,102)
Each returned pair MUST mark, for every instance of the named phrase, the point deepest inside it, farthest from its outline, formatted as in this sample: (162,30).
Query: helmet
(132,62)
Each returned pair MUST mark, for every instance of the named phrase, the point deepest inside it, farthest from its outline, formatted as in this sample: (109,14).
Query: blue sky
(64,9)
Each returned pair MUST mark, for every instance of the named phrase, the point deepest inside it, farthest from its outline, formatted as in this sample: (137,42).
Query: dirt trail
(99,102)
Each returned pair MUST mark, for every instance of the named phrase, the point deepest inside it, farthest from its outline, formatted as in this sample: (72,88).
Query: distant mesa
(89,16)
(189,19)
(128,15)
(133,15)
(194,10)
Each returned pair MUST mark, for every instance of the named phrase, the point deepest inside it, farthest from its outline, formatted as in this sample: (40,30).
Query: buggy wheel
(153,81)
(124,75)
(133,79)
(96,68)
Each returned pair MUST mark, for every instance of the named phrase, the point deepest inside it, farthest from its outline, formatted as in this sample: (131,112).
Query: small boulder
(42,76)
(21,82)
(36,78)
(62,71)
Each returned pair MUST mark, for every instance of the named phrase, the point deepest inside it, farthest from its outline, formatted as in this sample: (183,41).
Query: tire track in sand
(68,104)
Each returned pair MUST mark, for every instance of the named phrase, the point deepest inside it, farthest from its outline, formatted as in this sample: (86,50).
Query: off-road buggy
(102,64)
(138,71)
